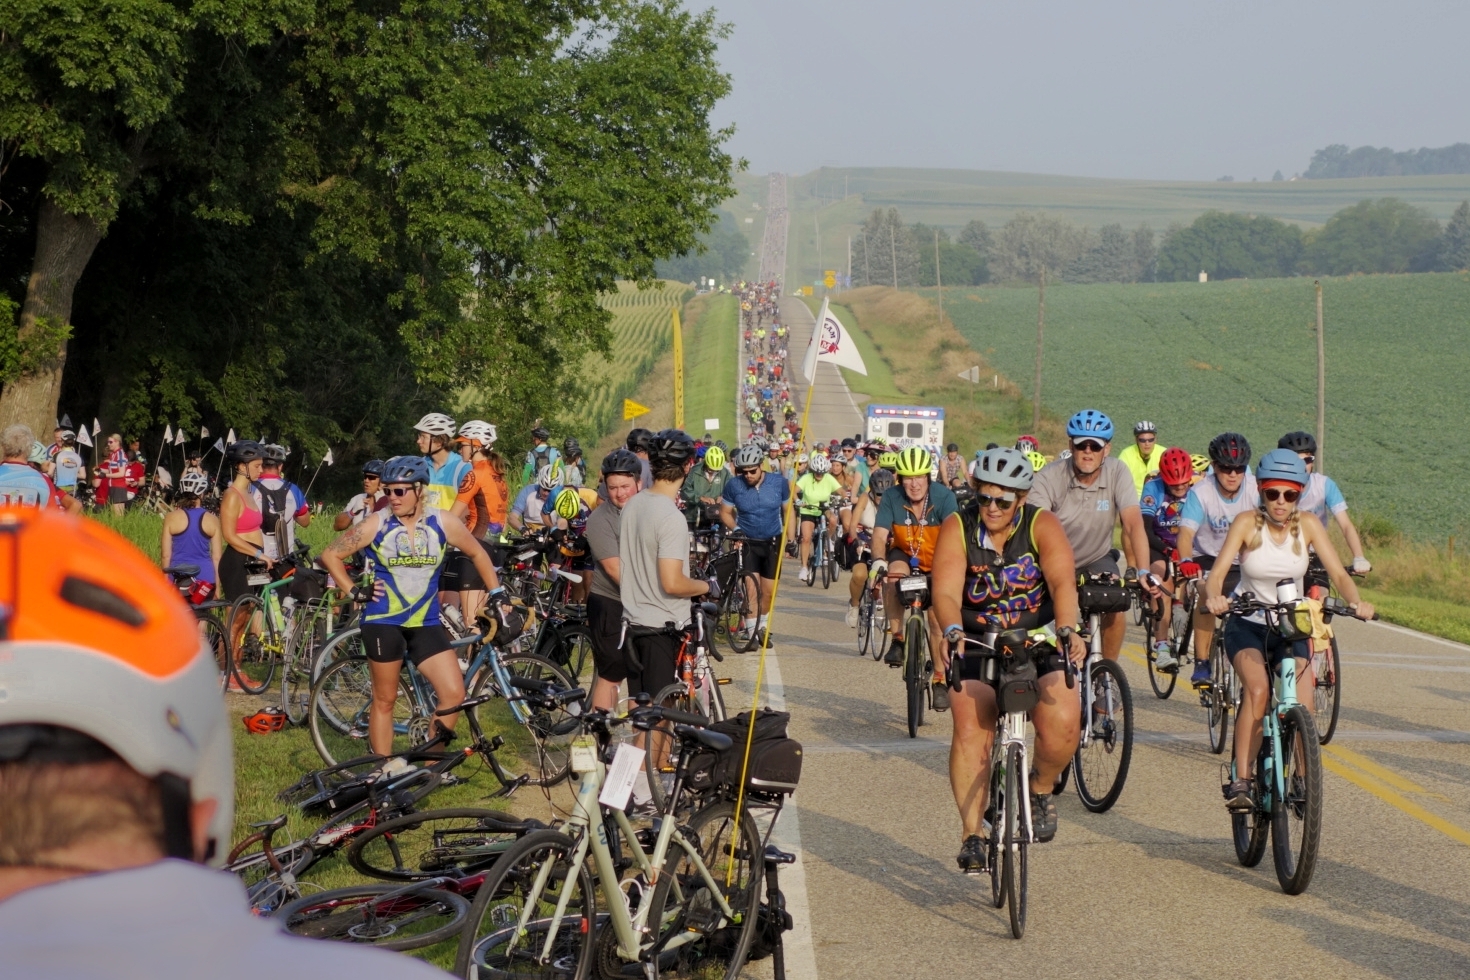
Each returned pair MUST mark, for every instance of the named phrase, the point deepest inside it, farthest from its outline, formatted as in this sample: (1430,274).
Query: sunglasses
(1087,446)
(749,471)
(1309,459)
(1001,501)
(1145,438)
(369,476)
(1275,493)
(400,491)
(1232,470)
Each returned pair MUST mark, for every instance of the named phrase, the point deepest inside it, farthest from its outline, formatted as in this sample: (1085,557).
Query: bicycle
(211,627)
(258,628)
(821,557)
(918,667)
(694,896)
(741,595)
(1105,749)
(872,622)
(1326,660)
(1148,611)
(697,690)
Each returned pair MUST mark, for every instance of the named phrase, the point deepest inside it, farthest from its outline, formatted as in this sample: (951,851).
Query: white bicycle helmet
(821,465)
(549,476)
(436,424)
(194,484)
(479,433)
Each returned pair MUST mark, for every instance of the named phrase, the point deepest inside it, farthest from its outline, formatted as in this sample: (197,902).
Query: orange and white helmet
(94,639)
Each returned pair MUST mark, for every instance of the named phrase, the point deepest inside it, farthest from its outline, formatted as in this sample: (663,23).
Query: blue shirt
(760,506)
(21,485)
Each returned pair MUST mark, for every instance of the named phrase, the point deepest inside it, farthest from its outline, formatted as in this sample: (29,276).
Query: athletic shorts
(1048,660)
(761,557)
(850,553)
(386,643)
(650,661)
(1232,579)
(116,494)
(605,620)
(1242,634)
(232,575)
(897,556)
(460,574)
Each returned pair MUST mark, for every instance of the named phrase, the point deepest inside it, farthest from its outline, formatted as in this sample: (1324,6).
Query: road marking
(1418,635)
(1397,801)
(1381,773)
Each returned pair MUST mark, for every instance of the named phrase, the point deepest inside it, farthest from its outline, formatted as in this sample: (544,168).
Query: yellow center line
(1395,800)
(1372,768)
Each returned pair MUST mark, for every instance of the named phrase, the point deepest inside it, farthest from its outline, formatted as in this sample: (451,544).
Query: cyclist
(622,475)
(1212,505)
(637,444)
(566,513)
(814,490)
(239,521)
(904,535)
(409,542)
(115,474)
(1162,504)
(541,453)
(858,538)
(363,504)
(1322,497)
(20,483)
(1036,460)
(1090,494)
(1140,457)
(485,515)
(70,470)
(952,467)
(451,481)
(753,504)
(1270,544)
(526,514)
(282,503)
(703,489)
(1006,562)
(191,535)
(573,464)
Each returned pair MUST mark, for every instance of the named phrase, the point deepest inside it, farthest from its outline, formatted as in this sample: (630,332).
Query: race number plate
(584,754)
(618,786)
(914,583)
(260,579)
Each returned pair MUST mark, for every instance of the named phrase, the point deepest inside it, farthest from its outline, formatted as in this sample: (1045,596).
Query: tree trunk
(64,245)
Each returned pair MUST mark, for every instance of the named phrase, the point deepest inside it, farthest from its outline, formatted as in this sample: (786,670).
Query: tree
(959,265)
(1277,176)
(722,253)
(1230,246)
(1031,241)
(976,235)
(882,248)
(1387,235)
(1454,244)
(1145,255)
(1373,161)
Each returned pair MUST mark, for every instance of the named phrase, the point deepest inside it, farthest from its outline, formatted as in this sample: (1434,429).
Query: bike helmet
(477,433)
(1025,444)
(722,446)
(549,476)
(820,465)
(880,481)
(571,447)
(194,484)
(541,432)
(914,461)
(373,467)
(1230,449)
(38,454)
(1036,460)
(1139,428)
(714,458)
(275,453)
(1090,422)
(1281,465)
(1298,442)
(436,424)
(1004,467)
(68,436)
(747,456)
(243,451)
(670,447)
(849,443)
(1175,467)
(888,460)
(265,721)
(802,459)
(568,504)
(638,440)
(406,469)
(1200,463)
(622,462)
(101,657)
(953,447)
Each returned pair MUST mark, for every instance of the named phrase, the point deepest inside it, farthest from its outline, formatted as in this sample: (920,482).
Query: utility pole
(867,266)
(849,261)
(1321,381)
(818,223)
(893,251)
(938,280)
(1040,327)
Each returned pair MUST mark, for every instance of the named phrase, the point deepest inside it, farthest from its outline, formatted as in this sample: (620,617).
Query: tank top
(1261,568)
(444,482)
(191,545)
(249,517)
(408,563)
(1005,589)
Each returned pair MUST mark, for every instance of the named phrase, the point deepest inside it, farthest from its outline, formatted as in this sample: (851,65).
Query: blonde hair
(1293,524)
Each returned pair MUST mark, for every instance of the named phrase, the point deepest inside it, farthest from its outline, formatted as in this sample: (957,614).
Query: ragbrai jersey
(447,482)
(1209,514)
(816,492)
(1005,588)
(1322,497)
(912,533)
(408,562)
(1162,513)
(21,485)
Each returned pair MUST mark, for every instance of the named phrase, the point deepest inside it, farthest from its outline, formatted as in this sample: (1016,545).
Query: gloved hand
(1190,569)
(877,570)
(1362,566)
(714,588)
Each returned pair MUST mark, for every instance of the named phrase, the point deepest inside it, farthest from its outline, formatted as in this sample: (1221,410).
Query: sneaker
(1043,817)
(1238,796)
(804,575)
(1201,676)
(894,656)
(971,858)
(1164,656)
(939,696)
(852,617)
(646,810)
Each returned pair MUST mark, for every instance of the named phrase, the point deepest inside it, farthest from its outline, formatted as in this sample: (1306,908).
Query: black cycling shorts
(899,556)
(1242,634)
(1232,578)
(651,661)
(605,620)
(761,557)
(1048,660)
(386,643)
(460,573)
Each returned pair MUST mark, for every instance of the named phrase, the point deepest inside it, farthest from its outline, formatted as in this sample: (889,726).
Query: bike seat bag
(1017,689)
(775,760)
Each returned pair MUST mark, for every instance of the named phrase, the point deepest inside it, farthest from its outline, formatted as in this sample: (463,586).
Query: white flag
(168,434)
(831,342)
(66,421)
(84,437)
(179,436)
(96,427)
(230,438)
(327,458)
(203,432)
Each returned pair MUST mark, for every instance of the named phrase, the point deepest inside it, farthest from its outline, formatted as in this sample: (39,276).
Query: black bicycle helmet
(880,482)
(244,451)
(622,461)
(670,447)
(373,467)
(638,440)
(571,447)
(1298,442)
(541,432)
(1230,449)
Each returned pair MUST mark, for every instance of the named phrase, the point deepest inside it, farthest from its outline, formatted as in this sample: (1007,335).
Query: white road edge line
(1422,636)
(801,957)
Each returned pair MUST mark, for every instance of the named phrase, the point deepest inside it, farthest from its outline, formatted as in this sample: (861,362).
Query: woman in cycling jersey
(1162,503)
(815,490)
(191,535)
(240,525)
(1272,544)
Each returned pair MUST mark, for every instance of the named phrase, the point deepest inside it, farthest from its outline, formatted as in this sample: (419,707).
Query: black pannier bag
(775,760)
(1016,690)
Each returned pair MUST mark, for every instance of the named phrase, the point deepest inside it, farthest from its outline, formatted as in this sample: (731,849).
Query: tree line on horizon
(1375,161)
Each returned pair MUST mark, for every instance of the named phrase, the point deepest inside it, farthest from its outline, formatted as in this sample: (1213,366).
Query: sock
(761,623)
(748,622)
(642,792)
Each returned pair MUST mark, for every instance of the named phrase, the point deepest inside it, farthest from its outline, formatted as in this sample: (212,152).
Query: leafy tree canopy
(1230,246)
(1373,161)
(723,254)
(1386,235)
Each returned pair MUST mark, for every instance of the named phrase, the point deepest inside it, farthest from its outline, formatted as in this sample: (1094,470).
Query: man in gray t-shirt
(621,474)
(1090,492)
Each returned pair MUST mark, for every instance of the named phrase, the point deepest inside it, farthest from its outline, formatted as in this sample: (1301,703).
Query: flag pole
(158,460)
(307,492)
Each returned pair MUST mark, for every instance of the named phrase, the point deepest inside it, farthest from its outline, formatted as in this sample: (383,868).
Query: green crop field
(1202,358)
(710,357)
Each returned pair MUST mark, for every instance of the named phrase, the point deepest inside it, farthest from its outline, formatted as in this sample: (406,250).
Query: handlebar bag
(1103,596)
(1017,690)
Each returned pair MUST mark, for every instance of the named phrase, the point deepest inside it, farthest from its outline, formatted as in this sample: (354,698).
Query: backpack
(274,504)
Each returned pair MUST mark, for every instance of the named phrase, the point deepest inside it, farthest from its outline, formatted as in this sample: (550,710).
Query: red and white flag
(831,342)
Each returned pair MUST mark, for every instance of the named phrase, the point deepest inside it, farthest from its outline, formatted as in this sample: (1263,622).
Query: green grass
(877,386)
(1448,619)
(710,364)
(1199,359)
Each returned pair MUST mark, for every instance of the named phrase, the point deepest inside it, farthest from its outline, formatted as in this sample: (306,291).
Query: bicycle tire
(455,842)
(824,560)
(865,621)
(1296,821)
(1217,712)
(540,749)
(573,646)
(913,674)
(296,666)
(675,695)
(878,630)
(212,635)
(251,661)
(360,914)
(345,643)
(490,926)
(1101,765)
(1162,681)
(997,814)
(338,718)
(711,830)
(1249,830)
(1013,855)
(740,597)
(1327,698)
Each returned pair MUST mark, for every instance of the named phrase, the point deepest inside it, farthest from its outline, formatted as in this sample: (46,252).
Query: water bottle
(1286,591)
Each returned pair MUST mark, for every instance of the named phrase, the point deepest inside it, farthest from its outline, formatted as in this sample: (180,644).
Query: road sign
(631,409)
(710,425)
(829,278)
(972,375)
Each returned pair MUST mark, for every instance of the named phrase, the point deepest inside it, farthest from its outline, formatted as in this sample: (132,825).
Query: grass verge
(1447,619)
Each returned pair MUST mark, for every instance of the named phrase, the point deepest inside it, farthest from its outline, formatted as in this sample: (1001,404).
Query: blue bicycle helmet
(1282,464)
(406,469)
(373,467)
(1090,422)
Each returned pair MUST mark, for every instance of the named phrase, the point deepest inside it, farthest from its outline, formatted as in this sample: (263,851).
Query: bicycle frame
(1089,701)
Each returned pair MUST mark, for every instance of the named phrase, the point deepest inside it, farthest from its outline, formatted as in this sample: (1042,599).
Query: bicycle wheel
(490,944)
(341,645)
(865,621)
(541,748)
(913,674)
(746,594)
(824,560)
(307,638)
(682,901)
(1014,844)
(1296,820)
(1327,697)
(252,654)
(570,648)
(996,814)
(878,630)
(454,842)
(659,764)
(212,636)
(338,718)
(1217,710)
(1248,830)
(385,916)
(1181,625)
(1162,681)
(1101,762)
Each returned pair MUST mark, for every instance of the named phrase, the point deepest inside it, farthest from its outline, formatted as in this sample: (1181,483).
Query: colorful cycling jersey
(816,491)
(447,482)
(408,563)
(910,532)
(1005,588)
(1208,513)
(1161,514)
(21,484)
(1322,497)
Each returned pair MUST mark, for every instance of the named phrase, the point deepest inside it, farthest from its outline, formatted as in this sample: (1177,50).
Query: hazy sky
(1174,90)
